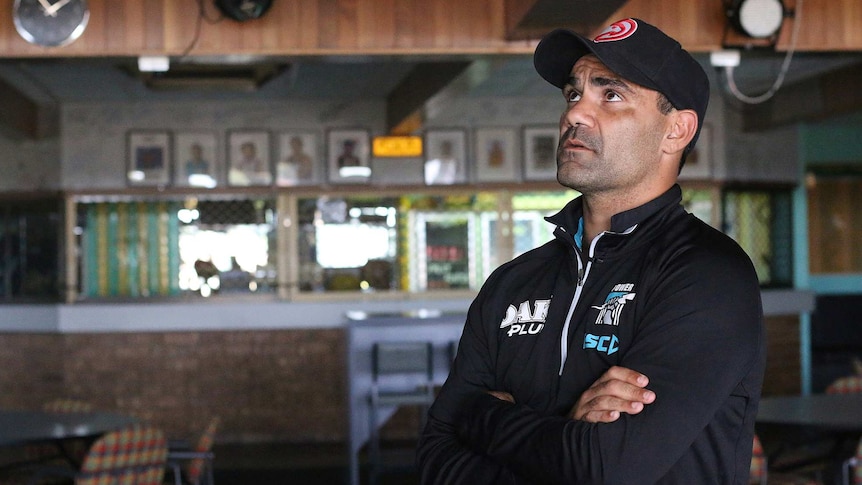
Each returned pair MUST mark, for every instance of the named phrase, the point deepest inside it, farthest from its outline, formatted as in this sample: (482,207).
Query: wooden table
(20,427)
(822,428)
(836,412)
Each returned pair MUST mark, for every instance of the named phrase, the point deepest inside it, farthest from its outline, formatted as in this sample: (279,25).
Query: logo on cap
(619,30)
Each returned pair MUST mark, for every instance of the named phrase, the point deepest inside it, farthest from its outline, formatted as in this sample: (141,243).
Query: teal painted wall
(832,141)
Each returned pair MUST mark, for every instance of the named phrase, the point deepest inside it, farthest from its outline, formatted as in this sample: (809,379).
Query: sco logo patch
(608,344)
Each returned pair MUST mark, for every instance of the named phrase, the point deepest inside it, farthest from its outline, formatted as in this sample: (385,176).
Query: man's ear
(682,130)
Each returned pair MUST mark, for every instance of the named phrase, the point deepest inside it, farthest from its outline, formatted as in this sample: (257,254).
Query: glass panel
(530,229)
(129,249)
(227,246)
(30,250)
(444,246)
(448,241)
(153,248)
(347,243)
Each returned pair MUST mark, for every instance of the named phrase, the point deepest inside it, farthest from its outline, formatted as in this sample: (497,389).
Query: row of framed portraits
(294,158)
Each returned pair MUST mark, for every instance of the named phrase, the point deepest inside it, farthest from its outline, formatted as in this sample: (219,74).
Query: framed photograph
(698,163)
(496,155)
(148,157)
(445,156)
(248,152)
(540,152)
(196,159)
(348,155)
(298,162)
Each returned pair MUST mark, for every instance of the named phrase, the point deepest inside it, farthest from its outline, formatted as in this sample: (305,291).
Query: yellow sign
(397,146)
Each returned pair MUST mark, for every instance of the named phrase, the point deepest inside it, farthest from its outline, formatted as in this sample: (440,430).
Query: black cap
(637,51)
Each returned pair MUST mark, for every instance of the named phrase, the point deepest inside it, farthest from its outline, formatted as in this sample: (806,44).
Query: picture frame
(196,160)
(348,155)
(148,155)
(297,162)
(445,159)
(496,155)
(249,158)
(540,152)
(698,163)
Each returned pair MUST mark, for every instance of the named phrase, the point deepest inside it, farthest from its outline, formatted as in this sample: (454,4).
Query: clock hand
(57,6)
(46,7)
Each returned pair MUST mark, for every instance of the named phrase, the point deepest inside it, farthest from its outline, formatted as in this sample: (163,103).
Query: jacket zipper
(583,273)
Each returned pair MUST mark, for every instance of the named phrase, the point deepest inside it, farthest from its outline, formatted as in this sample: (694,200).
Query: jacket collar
(569,216)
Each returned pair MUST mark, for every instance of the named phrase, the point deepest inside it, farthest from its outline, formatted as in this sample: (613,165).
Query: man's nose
(579,113)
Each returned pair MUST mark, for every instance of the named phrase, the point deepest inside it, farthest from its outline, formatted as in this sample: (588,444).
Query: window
(159,248)
(835,222)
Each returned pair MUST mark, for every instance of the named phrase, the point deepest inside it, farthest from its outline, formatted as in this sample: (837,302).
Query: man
(629,350)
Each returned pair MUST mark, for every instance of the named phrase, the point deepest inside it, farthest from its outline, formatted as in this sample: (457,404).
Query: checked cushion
(135,455)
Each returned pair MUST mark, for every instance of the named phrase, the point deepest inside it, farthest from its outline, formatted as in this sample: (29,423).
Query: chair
(845,385)
(402,375)
(851,470)
(758,471)
(135,455)
(194,466)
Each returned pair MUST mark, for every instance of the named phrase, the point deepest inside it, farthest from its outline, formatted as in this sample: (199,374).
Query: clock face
(50,22)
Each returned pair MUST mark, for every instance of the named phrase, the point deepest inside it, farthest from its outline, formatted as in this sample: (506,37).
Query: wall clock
(759,19)
(241,10)
(50,23)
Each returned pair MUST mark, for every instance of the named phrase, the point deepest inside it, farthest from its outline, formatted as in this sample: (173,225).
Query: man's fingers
(601,417)
(604,409)
(620,389)
(617,373)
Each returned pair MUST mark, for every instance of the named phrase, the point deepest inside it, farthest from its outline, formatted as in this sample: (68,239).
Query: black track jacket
(662,293)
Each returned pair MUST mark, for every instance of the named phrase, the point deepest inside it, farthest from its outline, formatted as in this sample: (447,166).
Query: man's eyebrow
(572,82)
(601,81)
(612,82)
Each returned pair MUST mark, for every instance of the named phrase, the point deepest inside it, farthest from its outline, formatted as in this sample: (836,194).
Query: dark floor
(290,464)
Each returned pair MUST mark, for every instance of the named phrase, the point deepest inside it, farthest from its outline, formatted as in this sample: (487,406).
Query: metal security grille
(760,221)
(228,246)
(227,212)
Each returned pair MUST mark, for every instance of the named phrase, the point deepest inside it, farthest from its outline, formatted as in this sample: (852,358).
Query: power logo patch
(610,311)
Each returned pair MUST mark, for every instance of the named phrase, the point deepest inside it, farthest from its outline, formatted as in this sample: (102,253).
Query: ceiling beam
(405,102)
(532,19)
(21,117)
(808,100)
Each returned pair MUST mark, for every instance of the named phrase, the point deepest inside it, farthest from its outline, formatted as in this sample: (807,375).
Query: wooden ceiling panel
(532,19)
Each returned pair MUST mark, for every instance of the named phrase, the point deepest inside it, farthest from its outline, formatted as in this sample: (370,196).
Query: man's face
(610,131)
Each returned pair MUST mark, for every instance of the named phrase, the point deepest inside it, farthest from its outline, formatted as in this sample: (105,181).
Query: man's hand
(618,390)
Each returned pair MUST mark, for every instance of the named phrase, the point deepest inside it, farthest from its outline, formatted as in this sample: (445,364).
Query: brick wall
(285,385)
(783,365)
(279,385)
